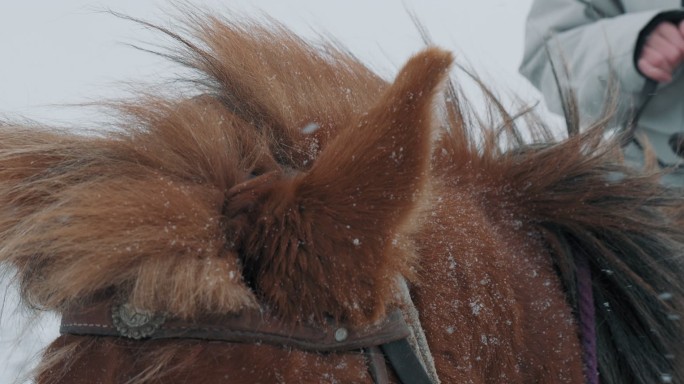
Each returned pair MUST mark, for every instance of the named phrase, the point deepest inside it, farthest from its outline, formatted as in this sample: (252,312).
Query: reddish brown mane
(301,181)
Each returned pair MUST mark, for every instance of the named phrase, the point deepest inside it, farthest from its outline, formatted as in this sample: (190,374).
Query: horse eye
(256,172)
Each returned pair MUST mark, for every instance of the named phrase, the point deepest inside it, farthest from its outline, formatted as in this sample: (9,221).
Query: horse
(300,219)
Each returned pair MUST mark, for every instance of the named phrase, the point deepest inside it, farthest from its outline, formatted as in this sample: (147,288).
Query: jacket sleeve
(588,46)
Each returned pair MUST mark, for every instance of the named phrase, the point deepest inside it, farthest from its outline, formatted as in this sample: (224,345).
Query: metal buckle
(134,323)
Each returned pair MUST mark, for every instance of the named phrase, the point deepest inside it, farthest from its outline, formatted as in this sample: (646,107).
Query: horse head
(299,190)
(195,214)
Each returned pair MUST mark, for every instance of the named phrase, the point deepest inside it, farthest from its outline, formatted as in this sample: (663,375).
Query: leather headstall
(386,340)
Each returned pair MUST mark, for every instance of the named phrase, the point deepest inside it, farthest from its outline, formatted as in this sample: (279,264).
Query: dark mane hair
(190,195)
(586,204)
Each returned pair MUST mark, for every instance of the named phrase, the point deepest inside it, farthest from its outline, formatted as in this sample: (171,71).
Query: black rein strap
(405,362)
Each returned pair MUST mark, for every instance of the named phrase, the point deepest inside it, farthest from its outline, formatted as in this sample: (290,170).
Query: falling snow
(665,296)
(310,128)
(476,307)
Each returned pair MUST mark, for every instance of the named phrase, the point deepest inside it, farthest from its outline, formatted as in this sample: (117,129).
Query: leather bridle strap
(377,366)
(587,319)
(405,362)
(259,326)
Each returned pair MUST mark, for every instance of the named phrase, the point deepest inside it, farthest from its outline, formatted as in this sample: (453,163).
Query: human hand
(663,52)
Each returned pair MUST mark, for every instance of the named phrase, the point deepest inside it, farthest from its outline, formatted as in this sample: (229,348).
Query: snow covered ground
(69,51)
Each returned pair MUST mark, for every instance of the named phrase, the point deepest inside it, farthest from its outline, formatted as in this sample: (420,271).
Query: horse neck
(481,278)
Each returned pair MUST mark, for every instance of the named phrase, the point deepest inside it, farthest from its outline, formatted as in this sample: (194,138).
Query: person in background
(590,46)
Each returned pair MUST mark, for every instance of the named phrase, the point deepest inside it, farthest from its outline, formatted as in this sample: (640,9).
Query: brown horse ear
(371,172)
(323,242)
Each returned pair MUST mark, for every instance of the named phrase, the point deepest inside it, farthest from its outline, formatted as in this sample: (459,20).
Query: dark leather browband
(257,326)
(247,327)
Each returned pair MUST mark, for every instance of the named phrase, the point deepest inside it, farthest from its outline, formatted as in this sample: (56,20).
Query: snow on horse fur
(302,182)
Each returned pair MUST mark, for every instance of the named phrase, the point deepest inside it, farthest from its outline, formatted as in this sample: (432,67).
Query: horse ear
(324,242)
(373,169)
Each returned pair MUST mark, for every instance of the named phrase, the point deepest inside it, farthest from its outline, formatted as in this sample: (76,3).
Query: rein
(587,319)
(387,340)
(585,304)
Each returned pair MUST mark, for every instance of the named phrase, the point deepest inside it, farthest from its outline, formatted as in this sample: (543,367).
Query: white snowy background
(55,53)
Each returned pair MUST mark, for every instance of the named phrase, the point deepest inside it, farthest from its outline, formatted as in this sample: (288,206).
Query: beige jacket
(590,37)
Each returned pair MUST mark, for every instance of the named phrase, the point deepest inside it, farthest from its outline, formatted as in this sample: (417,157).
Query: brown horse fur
(224,202)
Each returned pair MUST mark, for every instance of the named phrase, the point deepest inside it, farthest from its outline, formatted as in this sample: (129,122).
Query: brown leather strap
(406,363)
(377,365)
(247,327)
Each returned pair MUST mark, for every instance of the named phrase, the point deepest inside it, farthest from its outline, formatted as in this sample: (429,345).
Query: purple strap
(587,318)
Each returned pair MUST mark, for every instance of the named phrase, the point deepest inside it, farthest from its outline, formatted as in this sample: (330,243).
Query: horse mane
(585,203)
(621,221)
(260,85)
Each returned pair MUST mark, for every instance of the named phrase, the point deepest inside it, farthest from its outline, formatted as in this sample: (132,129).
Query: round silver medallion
(341,334)
(135,323)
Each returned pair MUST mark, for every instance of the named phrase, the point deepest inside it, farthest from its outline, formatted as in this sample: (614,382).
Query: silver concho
(135,323)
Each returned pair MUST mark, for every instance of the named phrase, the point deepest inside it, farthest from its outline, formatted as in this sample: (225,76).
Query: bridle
(386,341)
(587,319)
(391,340)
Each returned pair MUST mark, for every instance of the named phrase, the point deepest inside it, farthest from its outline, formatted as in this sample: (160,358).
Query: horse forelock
(142,210)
